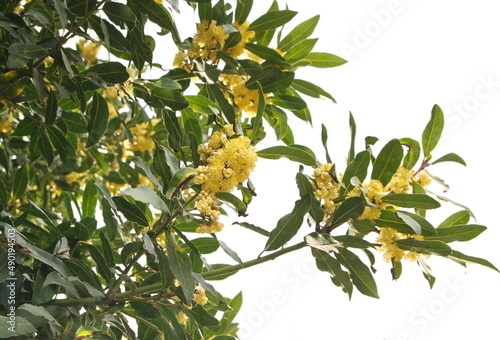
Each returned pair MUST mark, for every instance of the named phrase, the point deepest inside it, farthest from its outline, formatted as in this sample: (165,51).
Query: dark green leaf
(89,200)
(202,317)
(44,146)
(21,181)
(349,241)
(102,267)
(202,104)
(425,227)
(51,109)
(272,19)
(180,264)
(20,326)
(298,34)
(464,259)
(387,162)
(243,8)
(159,15)
(360,274)
(146,195)
(81,7)
(253,228)
(433,130)
(459,233)
(131,211)
(451,157)
(111,72)
(389,219)
(216,95)
(324,140)
(264,52)
(324,60)
(413,154)
(458,218)
(364,227)
(120,14)
(272,79)
(205,245)
(351,208)
(288,102)
(74,121)
(62,145)
(301,50)
(98,119)
(292,152)
(411,201)
(289,224)
(327,263)
(240,207)
(357,168)
(424,247)
(311,89)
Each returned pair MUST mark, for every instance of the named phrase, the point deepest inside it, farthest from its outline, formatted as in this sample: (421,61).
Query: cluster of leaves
(76,129)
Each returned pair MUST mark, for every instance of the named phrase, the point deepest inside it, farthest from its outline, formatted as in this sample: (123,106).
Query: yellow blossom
(390,250)
(79,177)
(177,283)
(199,295)
(326,188)
(246,35)
(88,50)
(401,181)
(6,123)
(423,178)
(182,318)
(246,99)
(373,192)
(114,188)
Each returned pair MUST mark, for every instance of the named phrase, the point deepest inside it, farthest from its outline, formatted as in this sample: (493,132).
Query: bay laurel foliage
(113,181)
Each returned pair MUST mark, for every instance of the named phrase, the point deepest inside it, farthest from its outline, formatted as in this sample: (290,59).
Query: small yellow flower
(6,123)
(246,99)
(423,178)
(246,35)
(182,318)
(390,250)
(199,295)
(88,50)
(326,187)
(401,181)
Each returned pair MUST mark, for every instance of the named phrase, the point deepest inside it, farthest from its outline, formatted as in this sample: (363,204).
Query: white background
(404,57)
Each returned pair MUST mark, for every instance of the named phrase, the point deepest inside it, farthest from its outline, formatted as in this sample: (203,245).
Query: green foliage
(111,165)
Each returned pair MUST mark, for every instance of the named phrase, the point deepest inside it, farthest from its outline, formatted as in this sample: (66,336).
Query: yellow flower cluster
(182,318)
(229,161)
(6,123)
(142,137)
(327,188)
(246,35)
(208,39)
(387,237)
(199,295)
(88,50)
(246,99)
(374,191)
(20,6)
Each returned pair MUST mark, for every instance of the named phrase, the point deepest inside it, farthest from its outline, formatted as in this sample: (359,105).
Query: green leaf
(288,102)
(44,145)
(243,8)
(89,200)
(264,52)
(351,208)
(61,143)
(464,259)
(461,233)
(120,14)
(310,89)
(424,226)
(387,162)
(98,119)
(216,95)
(252,227)
(111,72)
(159,15)
(323,60)
(146,195)
(323,242)
(131,211)
(433,130)
(424,247)
(390,219)
(298,34)
(421,201)
(324,141)
(289,224)
(413,154)
(360,274)
(357,168)
(74,121)
(51,109)
(364,227)
(327,263)
(172,99)
(180,264)
(272,79)
(202,104)
(272,19)
(458,218)
(257,120)
(352,148)
(301,50)
(293,152)
(238,204)
(202,317)
(81,7)
(349,241)
(20,326)
(102,266)
(21,181)
(451,157)
(191,124)
(206,245)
